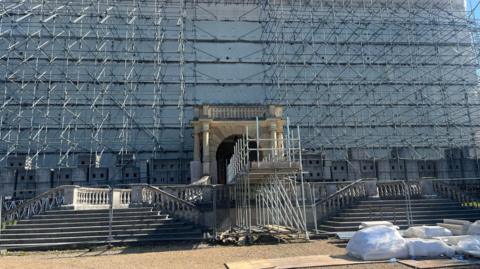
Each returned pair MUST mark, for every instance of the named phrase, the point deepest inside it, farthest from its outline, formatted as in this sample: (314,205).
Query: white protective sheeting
(377,243)
(430,248)
(469,245)
(367,224)
(474,229)
(426,232)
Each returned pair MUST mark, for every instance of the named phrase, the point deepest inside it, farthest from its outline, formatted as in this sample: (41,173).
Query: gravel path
(171,256)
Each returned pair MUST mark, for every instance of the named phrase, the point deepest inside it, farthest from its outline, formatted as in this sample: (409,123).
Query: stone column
(273,137)
(136,199)
(206,148)
(70,196)
(280,139)
(196,145)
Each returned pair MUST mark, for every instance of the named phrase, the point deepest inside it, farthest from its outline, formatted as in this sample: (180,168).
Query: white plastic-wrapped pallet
(474,229)
(426,232)
(430,248)
(377,243)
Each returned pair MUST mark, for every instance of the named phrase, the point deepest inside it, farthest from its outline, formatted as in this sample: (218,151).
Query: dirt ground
(175,256)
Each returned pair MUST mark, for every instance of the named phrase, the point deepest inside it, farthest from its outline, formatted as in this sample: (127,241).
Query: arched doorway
(224,154)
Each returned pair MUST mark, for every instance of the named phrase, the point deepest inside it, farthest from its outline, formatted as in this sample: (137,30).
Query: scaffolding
(122,76)
(377,75)
(269,191)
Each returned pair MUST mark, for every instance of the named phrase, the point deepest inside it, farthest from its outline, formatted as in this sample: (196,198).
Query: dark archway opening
(225,153)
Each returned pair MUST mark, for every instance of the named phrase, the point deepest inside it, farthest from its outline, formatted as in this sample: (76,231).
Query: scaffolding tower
(269,191)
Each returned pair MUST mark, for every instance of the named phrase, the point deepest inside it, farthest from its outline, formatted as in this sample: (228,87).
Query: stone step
(401,223)
(99,214)
(88,244)
(91,219)
(396,201)
(4,243)
(351,221)
(67,223)
(402,207)
(68,211)
(418,204)
(402,211)
(98,232)
(92,227)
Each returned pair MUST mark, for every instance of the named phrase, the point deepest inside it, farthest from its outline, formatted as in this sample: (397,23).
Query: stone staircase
(425,211)
(67,228)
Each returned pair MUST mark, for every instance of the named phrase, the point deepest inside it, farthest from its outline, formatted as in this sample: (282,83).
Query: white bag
(430,248)
(377,243)
(426,232)
(474,228)
(470,245)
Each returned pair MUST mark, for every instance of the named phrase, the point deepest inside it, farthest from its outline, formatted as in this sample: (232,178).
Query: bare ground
(173,256)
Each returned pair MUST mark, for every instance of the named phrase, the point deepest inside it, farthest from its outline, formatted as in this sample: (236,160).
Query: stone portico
(216,129)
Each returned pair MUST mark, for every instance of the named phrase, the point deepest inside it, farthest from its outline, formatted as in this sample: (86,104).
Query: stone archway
(224,154)
(216,129)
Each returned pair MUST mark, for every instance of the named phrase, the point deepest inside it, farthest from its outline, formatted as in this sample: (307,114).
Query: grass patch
(5,224)
(472,204)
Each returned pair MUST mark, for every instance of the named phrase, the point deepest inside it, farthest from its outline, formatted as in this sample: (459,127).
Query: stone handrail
(92,196)
(199,194)
(341,198)
(396,189)
(156,197)
(238,112)
(51,199)
(125,196)
(455,193)
(98,198)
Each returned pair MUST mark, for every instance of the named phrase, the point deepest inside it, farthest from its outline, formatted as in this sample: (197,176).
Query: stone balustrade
(459,191)
(82,198)
(200,194)
(51,199)
(327,204)
(164,201)
(397,189)
(237,112)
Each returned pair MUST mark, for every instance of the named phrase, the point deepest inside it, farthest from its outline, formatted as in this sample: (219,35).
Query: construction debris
(270,234)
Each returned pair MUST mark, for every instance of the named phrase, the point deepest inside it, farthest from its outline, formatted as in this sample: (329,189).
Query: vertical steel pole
(214,211)
(110,215)
(258,144)
(288,140)
(301,180)
(1,219)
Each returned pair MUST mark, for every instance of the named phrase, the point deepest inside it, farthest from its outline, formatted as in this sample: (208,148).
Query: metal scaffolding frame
(372,74)
(269,191)
(71,70)
(377,75)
